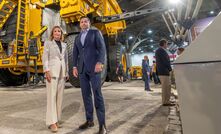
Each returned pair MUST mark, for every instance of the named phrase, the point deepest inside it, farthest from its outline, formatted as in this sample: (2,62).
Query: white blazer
(53,60)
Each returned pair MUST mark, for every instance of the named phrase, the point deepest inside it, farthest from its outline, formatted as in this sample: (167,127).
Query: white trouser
(55,91)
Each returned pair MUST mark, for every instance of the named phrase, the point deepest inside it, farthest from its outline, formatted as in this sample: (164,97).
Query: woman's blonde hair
(51,35)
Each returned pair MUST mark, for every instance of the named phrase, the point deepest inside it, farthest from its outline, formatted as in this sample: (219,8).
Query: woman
(55,64)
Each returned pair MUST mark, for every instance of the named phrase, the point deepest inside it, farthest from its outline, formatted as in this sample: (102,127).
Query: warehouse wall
(136,59)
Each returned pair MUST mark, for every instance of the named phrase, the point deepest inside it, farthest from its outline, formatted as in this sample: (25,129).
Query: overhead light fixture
(141,51)
(139,48)
(132,53)
(150,31)
(211,12)
(174,1)
(171,35)
(151,46)
(174,23)
(131,37)
(151,40)
(172,10)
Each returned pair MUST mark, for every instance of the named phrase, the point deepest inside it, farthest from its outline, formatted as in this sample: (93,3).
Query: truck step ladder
(21,37)
(6,8)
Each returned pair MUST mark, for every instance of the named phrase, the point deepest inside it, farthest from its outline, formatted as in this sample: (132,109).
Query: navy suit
(162,62)
(85,57)
(145,70)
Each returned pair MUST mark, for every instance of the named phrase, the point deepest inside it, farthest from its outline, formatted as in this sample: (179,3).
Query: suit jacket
(53,60)
(145,67)
(162,62)
(92,52)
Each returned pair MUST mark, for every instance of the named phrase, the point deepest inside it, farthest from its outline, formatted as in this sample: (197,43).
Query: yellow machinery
(21,30)
(136,72)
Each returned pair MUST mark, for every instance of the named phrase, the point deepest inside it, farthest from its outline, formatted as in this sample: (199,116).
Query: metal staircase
(21,37)
(6,8)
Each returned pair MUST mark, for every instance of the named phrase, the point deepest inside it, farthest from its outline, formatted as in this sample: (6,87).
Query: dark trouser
(88,81)
(146,81)
(155,78)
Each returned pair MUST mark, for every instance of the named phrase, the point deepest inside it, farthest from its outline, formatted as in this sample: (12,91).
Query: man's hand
(98,68)
(75,72)
(48,76)
(148,73)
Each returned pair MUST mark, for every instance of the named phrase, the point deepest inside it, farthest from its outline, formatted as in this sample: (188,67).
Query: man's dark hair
(162,42)
(85,17)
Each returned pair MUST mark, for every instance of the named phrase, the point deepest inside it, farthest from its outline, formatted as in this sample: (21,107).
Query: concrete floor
(129,110)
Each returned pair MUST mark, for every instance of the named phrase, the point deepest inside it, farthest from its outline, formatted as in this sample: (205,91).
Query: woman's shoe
(53,128)
(58,124)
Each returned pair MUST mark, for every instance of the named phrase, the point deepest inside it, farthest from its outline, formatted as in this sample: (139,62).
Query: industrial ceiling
(152,27)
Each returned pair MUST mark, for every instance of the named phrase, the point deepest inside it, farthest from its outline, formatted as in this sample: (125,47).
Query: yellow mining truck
(26,24)
(23,30)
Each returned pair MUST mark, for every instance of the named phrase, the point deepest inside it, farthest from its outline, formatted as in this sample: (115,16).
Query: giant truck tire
(117,54)
(10,79)
(10,28)
(70,44)
(75,81)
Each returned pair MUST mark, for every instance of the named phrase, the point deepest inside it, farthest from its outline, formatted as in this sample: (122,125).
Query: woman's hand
(48,76)
(67,78)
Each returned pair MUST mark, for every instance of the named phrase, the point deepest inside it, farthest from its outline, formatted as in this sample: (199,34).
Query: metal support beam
(167,24)
(128,15)
(137,44)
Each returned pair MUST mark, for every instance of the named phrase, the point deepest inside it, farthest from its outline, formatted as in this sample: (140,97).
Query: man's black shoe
(169,104)
(86,125)
(102,130)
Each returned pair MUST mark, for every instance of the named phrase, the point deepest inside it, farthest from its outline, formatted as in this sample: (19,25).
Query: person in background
(164,69)
(135,73)
(55,65)
(154,73)
(180,51)
(120,72)
(128,74)
(146,73)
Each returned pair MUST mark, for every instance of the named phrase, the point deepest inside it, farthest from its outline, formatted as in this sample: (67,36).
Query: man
(146,73)
(163,69)
(88,55)
(120,72)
